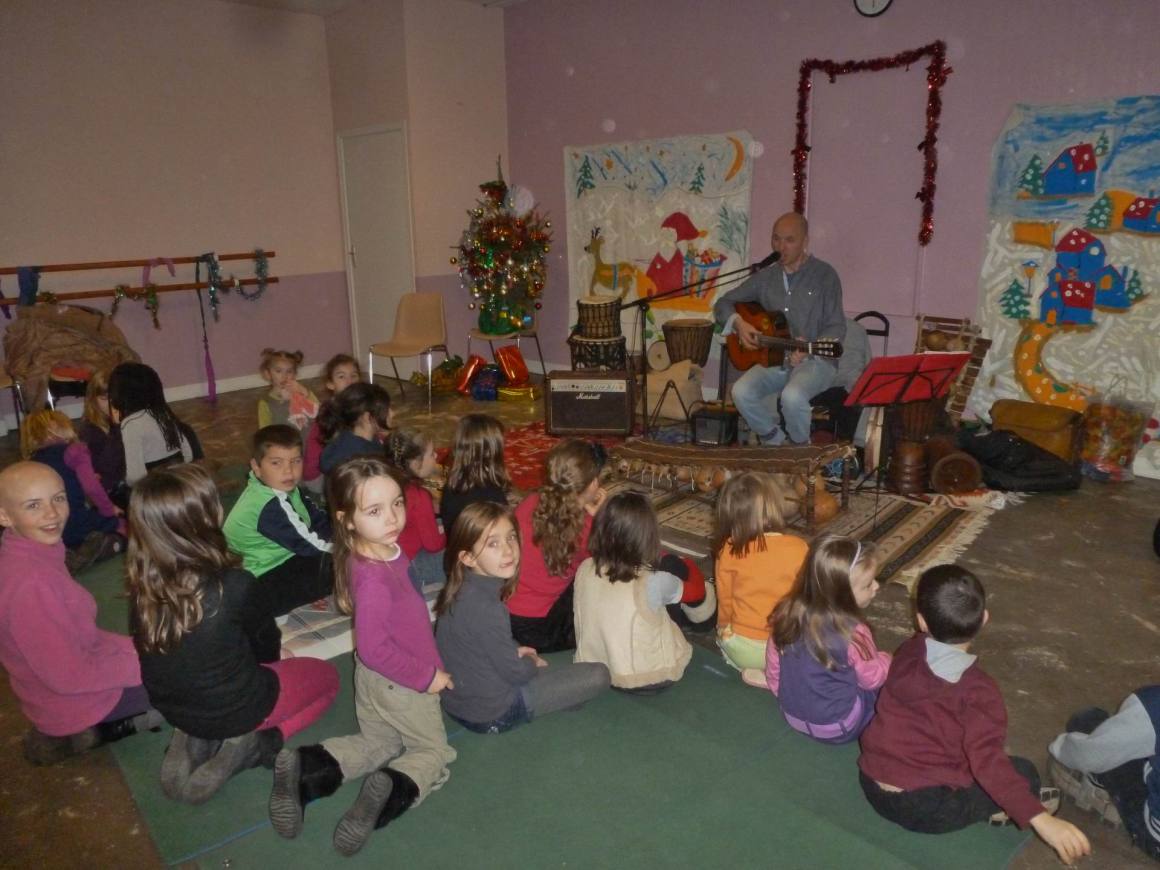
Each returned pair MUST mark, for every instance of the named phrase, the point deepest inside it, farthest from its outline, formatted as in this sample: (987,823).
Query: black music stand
(897,380)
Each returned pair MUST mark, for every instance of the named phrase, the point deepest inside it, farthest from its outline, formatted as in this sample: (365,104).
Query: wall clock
(872,8)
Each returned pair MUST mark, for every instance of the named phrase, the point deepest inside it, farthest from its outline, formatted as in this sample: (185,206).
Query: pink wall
(141,128)
(663,67)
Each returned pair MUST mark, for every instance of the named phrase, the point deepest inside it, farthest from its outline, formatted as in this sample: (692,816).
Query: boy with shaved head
(79,685)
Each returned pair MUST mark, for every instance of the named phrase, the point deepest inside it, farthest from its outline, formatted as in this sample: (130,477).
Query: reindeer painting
(617,277)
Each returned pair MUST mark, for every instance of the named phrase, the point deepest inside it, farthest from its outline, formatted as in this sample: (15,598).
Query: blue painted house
(1072,173)
(1143,215)
(1081,281)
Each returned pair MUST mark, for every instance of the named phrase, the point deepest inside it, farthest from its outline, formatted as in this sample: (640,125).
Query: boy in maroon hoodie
(932,757)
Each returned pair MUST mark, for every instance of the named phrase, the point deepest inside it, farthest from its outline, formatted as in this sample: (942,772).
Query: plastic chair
(882,330)
(491,339)
(420,330)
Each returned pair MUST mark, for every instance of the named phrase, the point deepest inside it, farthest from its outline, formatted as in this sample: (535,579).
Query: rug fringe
(949,551)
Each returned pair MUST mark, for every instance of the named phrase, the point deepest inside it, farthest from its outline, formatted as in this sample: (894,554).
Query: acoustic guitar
(775,340)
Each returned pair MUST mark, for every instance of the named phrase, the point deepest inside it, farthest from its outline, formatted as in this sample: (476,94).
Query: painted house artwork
(1142,215)
(1072,173)
(1082,281)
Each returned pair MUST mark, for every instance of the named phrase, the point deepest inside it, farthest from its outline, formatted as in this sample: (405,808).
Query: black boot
(300,776)
(385,795)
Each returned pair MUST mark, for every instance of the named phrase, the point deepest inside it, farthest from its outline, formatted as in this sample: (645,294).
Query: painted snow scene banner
(1068,291)
(651,216)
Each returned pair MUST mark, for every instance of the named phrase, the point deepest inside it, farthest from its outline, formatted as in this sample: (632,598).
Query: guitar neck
(787,343)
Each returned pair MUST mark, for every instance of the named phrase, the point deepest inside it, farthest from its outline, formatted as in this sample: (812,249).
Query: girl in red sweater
(413,453)
(554,524)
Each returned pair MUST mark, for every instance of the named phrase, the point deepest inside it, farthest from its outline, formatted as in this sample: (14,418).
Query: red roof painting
(1075,241)
(1082,156)
(1141,207)
(1078,294)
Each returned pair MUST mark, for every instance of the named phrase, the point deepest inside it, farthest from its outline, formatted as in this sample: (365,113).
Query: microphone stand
(644,303)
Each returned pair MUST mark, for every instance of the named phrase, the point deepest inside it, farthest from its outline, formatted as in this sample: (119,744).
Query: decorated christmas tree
(1102,145)
(1135,287)
(501,257)
(1014,301)
(1099,216)
(1031,179)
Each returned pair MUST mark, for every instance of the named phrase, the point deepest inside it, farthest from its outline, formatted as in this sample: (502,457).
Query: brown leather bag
(1056,430)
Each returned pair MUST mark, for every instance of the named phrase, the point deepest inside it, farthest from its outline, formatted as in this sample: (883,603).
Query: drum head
(658,356)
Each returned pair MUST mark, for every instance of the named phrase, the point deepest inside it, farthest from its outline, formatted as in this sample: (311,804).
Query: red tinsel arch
(936,76)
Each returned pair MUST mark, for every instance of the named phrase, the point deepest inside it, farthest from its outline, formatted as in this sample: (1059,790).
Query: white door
(376,202)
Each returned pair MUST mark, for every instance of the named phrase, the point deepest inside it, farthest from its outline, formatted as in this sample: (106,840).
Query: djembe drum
(599,316)
(688,338)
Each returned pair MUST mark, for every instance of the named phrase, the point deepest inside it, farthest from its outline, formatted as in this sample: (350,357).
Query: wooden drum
(688,338)
(608,354)
(599,316)
(952,471)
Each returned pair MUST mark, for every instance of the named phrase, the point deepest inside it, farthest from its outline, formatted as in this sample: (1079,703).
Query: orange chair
(420,330)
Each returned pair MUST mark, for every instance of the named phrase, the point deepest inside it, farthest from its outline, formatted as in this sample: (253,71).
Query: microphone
(768,261)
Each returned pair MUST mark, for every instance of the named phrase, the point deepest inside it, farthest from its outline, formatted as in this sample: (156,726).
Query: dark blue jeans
(516,714)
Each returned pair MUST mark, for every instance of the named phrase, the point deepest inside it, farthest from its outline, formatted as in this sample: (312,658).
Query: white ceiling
(326,7)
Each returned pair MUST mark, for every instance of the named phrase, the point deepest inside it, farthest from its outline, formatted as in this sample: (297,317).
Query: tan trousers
(396,725)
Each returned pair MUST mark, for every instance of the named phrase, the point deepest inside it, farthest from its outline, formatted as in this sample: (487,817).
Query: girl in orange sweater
(756,566)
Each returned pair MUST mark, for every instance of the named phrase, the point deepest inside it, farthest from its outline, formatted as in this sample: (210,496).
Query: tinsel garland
(936,76)
(148,294)
(261,272)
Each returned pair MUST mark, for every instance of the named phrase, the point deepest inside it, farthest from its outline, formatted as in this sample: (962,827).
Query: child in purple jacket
(402,742)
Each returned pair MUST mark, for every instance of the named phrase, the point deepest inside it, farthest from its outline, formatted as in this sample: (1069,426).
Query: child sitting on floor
(398,674)
(477,468)
(288,401)
(1111,765)
(757,564)
(282,537)
(932,757)
(340,372)
(822,663)
(554,524)
(354,423)
(103,437)
(78,685)
(91,534)
(414,455)
(620,600)
(151,433)
(207,641)
(501,684)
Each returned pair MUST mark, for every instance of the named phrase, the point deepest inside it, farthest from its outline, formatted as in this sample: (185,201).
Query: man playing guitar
(809,293)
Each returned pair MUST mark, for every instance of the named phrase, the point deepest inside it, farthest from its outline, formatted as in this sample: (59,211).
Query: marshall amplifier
(589,403)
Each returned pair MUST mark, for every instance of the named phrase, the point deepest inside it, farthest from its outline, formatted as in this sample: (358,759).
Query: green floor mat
(705,775)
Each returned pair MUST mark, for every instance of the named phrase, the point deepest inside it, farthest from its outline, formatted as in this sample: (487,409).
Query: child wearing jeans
(932,757)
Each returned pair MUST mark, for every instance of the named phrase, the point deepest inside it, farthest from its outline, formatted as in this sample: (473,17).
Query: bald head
(33,503)
(790,239)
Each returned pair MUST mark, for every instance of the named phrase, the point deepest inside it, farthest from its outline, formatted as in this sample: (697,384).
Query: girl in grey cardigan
(498,683)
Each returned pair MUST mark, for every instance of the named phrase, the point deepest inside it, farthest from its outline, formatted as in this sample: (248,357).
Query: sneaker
(1085,791)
